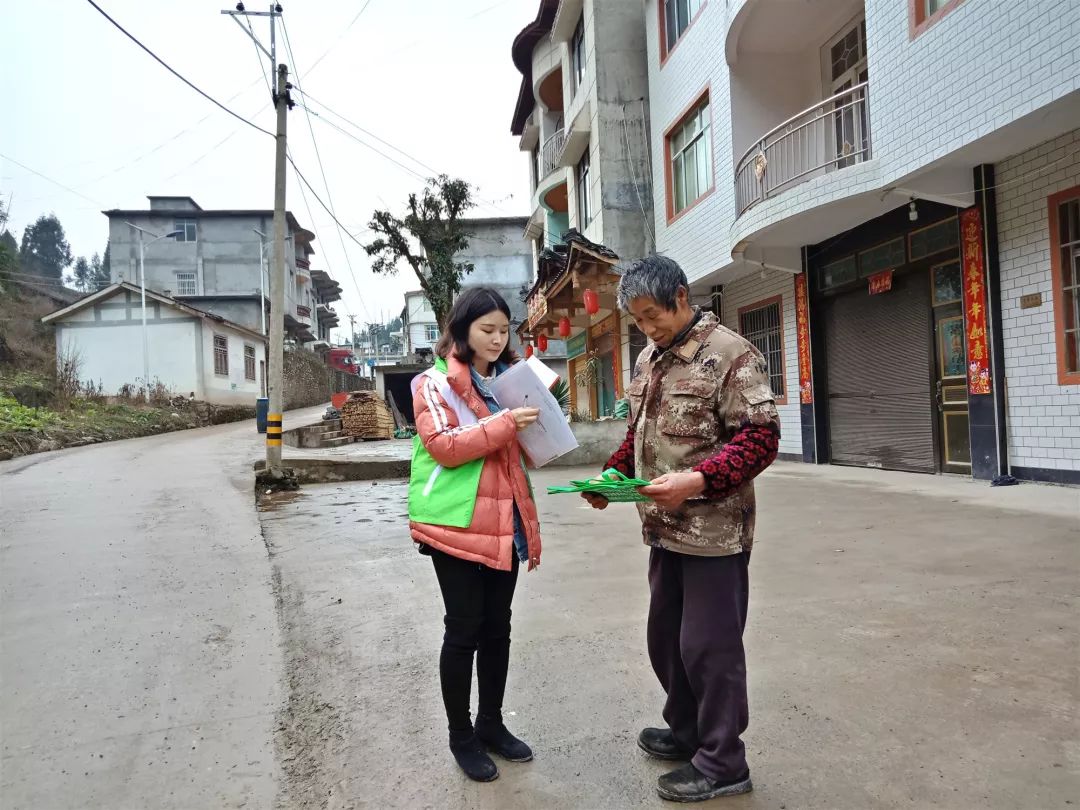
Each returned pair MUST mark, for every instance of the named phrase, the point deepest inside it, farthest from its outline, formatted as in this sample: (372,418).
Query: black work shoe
(660,743)
(495,736)
(473,759)
(688,784)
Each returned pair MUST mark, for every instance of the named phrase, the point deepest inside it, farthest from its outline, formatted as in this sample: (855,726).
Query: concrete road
(913,642)
(140,649)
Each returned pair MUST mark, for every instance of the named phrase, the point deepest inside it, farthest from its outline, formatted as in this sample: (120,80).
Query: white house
(418,323)
(883,196)
(191,352)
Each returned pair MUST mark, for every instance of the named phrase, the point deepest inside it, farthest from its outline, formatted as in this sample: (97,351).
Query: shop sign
(881,282)
(978,353)
(802,329)
(575,346)
(536,308)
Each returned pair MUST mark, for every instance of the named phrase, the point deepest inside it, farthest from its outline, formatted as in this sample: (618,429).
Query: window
(689,150)
(221,355)
(839,272)
(187,284)
(584,191)
(936,238)
(1065,265)
(887,256)
(760,324)
(186,228)
(678,14)
(845,56)
(577,53)
(249,363)
(924,13)
(432,333)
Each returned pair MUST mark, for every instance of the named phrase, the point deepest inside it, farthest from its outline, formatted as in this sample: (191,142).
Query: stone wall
(310,382)
(596,442)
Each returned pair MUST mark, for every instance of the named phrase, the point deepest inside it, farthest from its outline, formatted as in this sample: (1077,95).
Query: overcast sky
(87,108)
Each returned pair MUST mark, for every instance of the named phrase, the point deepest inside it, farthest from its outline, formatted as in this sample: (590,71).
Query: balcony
(303,314)
(327,316)
(833,134)
(550,153)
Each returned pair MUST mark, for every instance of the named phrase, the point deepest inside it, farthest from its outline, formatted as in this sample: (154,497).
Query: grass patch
(76,421)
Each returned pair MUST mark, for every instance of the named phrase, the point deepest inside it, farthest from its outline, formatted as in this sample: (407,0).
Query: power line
(322,170)
(370,134)
(54,182)
(166,65)
(436,172)
(165,143)
(365,144)
(348,27)
(318,199)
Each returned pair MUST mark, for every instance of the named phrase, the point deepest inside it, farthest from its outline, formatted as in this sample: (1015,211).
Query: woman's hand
(524,417)
(595,501)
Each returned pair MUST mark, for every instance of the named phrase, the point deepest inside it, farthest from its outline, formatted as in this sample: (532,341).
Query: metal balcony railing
(833,134)
(550,153)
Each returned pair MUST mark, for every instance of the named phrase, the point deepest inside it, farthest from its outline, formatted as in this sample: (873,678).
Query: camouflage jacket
(686,402)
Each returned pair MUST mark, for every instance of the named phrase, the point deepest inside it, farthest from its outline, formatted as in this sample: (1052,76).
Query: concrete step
(327,435)
(338,442)
(331,424)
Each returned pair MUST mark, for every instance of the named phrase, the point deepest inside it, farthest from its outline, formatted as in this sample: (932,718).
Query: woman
(471,510)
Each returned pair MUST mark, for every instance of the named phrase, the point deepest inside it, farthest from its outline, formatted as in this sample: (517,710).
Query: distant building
(219,262)
(582,114)
(420,328)
(191,352)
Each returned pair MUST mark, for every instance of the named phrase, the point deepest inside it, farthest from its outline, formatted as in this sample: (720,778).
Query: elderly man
(703,424)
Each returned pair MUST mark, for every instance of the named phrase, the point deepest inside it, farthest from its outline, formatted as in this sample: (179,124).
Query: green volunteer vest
(438,495)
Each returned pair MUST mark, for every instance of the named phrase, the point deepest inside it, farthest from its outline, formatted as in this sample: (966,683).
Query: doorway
(845,57)
(950,363)
(878,377)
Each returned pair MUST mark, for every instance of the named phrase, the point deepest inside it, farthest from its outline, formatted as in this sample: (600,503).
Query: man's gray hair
(656,277)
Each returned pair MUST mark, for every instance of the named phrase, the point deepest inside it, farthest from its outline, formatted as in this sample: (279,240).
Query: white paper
(546,375)
(550,436)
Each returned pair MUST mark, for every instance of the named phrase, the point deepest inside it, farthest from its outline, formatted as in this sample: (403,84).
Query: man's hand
(672,490)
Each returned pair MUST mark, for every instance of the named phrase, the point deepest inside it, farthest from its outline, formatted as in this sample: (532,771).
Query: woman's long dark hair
(471,305)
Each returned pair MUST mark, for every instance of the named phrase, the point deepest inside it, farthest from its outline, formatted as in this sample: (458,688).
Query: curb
(330,471)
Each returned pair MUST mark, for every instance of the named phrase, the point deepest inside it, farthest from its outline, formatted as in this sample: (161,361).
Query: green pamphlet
(614,486)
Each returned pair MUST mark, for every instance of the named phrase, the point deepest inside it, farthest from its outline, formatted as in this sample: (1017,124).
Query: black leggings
(477,600)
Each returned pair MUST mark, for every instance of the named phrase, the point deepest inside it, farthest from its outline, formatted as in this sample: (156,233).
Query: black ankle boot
(469,752)
(494,735)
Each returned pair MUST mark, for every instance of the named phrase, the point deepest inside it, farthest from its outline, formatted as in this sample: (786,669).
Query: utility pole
(277,280)
(276,348)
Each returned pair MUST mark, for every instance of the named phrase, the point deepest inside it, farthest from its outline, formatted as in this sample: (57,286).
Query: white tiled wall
(1044,417)
(984,65)
(750,290)
(699,240)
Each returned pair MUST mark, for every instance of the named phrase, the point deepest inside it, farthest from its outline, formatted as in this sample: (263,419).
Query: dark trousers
(477,600)
(696,618)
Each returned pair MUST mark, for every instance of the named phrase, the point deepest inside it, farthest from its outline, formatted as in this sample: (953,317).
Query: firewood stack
(365,416)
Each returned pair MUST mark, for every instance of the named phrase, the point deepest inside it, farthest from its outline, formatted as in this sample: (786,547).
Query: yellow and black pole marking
(273,430)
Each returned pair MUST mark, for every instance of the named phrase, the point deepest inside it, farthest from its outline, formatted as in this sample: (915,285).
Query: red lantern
(528,351)
(592,302)
(564,327)
(542,342)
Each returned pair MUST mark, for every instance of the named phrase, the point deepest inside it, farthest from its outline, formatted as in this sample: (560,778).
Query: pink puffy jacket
(490,538)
